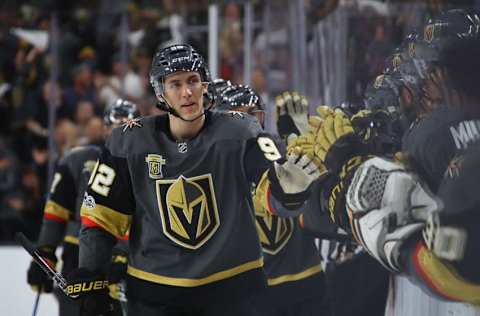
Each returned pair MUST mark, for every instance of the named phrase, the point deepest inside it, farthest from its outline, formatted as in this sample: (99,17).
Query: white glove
(295,106)
(386,204)
(296,174)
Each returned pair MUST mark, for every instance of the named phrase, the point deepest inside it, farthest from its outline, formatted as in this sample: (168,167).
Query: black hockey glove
(92,291)
(38,280)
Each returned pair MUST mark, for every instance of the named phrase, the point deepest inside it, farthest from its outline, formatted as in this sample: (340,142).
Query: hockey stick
(35,305)
(52,274)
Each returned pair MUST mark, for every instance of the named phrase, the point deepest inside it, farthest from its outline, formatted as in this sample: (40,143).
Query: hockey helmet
(119,111)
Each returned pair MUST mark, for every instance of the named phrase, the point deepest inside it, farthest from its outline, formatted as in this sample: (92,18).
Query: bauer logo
(155,165)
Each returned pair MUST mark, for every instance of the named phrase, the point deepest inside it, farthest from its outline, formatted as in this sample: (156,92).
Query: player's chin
(191,112)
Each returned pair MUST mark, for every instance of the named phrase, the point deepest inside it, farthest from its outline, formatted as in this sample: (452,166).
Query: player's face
(184,91)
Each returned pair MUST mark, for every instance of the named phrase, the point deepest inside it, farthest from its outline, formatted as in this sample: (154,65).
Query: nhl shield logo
(182,147)
(155,166)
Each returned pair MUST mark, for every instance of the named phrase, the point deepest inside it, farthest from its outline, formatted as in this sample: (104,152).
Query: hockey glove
(305,145)
(289,181)
(386,205)
(116,273)
(92,291)
(292,114)
(38,280)
(336,142)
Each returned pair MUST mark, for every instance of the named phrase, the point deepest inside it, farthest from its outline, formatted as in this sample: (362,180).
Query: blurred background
(61,62)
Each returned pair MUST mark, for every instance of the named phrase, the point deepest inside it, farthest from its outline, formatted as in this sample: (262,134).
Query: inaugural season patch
(188,210)
(155,165)
(274,231)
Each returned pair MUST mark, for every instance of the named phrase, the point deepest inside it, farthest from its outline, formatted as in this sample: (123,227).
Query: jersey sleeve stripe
(107,219)
(56,212)
(441,279)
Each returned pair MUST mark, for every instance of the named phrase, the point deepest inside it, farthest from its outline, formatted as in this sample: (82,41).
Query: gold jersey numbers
(188,210)
(274,231)
(101,179)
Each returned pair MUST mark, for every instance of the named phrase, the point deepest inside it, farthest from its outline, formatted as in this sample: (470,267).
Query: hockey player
(292,263)
(387,205)
(180,184)
(61,224)
(243,99)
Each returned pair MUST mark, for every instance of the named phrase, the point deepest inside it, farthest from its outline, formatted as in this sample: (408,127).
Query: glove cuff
(290,201)
(343,150)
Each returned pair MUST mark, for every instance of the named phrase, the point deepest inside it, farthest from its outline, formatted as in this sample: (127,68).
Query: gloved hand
(292,114)
(296,174)
(91,289)
(305,145)
(38,280)
(335,140)
(116,273)
(387,205)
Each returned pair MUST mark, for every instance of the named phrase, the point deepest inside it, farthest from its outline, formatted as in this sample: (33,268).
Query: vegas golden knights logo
(274,231)
(428,33)
(188,209)
(396,61)
(378,81)
(155,166)
(411,50)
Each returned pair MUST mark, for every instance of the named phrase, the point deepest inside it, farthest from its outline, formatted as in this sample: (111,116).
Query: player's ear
(205,87)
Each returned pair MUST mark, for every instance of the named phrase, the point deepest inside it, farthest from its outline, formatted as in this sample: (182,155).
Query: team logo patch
(274,232)
(454,166)
(428,33)
(155,165)
(188,210)
(396,61)
(411,50)
(378,82)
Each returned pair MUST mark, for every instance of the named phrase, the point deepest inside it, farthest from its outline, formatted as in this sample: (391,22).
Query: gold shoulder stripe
(295,277)
(195,282)
(445,280)
(71,240)
(112,221)
(57,210)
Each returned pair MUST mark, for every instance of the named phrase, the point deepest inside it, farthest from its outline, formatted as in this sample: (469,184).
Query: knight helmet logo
(274,231)
(188,210)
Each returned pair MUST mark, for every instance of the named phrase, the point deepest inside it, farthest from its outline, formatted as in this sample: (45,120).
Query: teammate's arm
(106,211)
